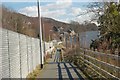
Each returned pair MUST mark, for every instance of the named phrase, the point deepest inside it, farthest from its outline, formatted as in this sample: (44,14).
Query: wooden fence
(106,64)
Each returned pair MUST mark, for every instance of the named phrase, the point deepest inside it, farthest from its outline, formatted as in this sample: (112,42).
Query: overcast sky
(62,10)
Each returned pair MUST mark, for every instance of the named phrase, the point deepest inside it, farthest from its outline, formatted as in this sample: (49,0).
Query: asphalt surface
(60,70)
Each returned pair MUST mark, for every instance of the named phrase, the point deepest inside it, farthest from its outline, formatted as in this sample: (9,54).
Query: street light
(41,50)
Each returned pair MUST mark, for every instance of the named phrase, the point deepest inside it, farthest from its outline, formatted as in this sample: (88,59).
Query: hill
(30,25)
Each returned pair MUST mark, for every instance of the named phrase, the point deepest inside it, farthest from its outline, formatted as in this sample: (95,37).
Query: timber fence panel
(5,55)
(14,54)
(113,60)
(108,58)
(104,63)
(23,51)
(118,61)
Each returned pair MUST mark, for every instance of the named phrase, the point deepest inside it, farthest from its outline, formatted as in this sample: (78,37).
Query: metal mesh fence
(5,61)
(0,53)
(20,54)
(14,54)
(23,56)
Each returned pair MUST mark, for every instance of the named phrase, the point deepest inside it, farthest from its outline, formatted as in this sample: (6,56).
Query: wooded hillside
(29,25)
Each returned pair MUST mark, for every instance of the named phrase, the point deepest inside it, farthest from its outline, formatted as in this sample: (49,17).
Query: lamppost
(41,50)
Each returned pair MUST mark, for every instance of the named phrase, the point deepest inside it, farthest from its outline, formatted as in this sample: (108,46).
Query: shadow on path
(68,71)
(60,71)
(78,74)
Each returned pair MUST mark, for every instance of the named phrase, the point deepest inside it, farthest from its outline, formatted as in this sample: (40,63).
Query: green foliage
(94,44)
(110,25)
(109,21)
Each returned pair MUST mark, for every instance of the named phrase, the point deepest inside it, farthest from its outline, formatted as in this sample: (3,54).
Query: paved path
(61,70)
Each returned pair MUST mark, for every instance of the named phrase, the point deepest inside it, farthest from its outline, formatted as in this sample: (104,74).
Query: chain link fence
(0,53)
(20,54)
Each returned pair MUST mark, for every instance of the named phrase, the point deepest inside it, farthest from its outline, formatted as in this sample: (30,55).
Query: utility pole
(40,34)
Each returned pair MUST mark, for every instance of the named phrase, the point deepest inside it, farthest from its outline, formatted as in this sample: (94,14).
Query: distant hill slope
(29,25)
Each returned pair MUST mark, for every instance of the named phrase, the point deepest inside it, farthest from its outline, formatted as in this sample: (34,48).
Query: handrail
(102,61)
(113,59)
(99,68)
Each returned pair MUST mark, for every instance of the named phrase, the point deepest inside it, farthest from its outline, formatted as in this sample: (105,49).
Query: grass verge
(34,73)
